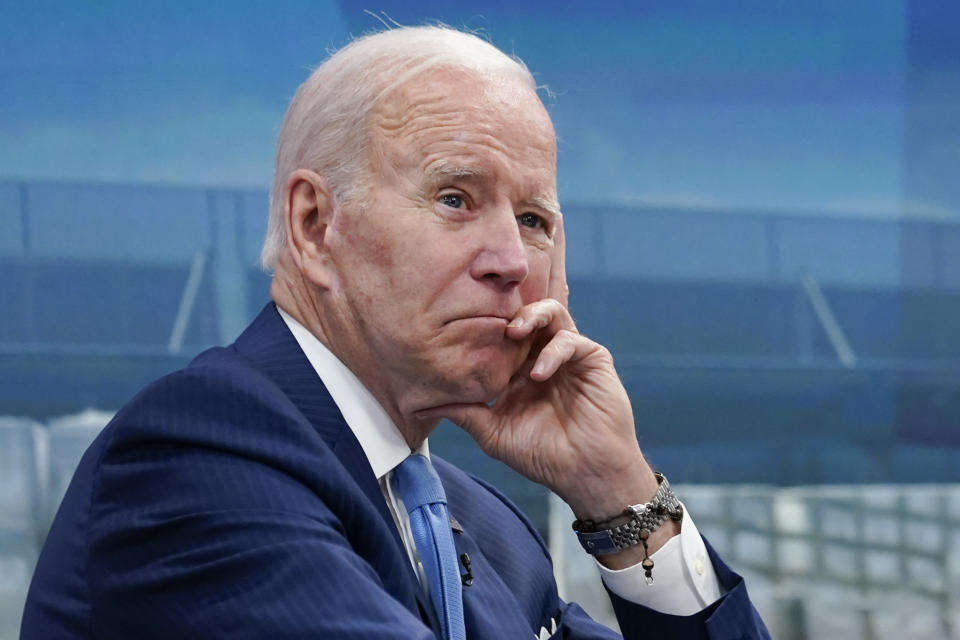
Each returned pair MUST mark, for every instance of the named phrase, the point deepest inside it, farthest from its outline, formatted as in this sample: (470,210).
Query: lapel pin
(466,578)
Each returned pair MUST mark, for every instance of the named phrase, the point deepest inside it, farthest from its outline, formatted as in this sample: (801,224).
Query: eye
(452,200)
(530,220)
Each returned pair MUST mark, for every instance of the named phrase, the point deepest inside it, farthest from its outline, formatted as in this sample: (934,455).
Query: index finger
(557,287)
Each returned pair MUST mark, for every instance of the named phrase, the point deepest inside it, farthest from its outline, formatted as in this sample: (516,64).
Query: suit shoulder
(218,386)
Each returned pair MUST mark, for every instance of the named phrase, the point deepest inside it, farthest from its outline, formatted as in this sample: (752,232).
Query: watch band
(632,526)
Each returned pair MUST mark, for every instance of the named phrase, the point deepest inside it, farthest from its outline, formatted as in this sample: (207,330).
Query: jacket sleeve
(732,617)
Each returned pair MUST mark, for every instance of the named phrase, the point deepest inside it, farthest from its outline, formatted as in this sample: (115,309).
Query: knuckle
(556,346)
(604,353)
(564,342)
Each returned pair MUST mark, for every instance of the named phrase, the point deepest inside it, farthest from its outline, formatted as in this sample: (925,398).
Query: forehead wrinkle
(434,121)
(404,103)
(413,121)
(428,135)
(415,109)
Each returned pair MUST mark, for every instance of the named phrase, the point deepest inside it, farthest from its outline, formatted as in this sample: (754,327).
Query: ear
(307,211)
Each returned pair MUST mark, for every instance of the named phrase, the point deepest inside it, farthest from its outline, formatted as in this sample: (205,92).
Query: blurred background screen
(763,220)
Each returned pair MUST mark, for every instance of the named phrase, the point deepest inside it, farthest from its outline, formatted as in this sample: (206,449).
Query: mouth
(491,319)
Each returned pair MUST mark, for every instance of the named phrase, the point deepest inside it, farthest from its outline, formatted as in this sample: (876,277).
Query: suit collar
(270,345)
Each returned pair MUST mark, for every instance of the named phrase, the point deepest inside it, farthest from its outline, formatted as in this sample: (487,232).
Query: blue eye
(452,200)
(530,220)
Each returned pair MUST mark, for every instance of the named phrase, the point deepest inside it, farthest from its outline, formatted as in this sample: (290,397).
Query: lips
(492,317)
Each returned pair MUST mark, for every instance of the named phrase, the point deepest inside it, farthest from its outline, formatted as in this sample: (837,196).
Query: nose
(502,260)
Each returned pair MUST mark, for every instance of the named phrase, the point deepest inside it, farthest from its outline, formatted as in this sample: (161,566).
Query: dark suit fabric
(230,499)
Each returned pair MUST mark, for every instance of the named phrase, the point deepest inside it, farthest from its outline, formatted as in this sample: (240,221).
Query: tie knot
(417,482)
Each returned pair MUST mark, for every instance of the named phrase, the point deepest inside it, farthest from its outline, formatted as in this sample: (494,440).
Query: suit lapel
(269,343)
(489,606)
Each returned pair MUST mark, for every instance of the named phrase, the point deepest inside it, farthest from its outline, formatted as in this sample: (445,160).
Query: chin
(488,377)
(478,373)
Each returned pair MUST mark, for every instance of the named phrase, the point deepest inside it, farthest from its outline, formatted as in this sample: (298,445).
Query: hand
(564,420)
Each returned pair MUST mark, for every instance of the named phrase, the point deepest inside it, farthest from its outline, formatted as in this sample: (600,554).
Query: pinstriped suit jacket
(230,499)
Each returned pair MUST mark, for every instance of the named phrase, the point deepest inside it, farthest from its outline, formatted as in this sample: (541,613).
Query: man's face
(457,237)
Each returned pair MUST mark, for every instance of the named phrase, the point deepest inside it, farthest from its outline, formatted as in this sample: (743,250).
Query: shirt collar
(379,437)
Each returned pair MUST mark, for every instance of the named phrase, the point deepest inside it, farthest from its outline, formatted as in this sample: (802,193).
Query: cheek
(536,285)
(368,247)
(364,256)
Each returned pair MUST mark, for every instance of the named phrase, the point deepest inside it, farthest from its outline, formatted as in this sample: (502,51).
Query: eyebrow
(549,205)
(446,170)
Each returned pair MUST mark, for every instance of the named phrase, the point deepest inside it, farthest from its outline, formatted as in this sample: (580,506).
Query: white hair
(327,129)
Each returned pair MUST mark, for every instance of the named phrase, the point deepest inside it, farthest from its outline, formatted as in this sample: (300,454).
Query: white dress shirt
(685,579)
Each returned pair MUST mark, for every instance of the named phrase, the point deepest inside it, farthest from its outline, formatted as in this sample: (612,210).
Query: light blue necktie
(419,486)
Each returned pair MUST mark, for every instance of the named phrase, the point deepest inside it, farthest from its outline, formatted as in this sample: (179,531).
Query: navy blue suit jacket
(230,499)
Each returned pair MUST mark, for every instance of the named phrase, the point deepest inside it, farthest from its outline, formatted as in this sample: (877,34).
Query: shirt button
(698,567)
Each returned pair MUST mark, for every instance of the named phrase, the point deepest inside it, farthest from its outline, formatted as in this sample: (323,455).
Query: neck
(299,299)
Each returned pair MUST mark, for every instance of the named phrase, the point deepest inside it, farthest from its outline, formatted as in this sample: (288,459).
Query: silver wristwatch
(632,526)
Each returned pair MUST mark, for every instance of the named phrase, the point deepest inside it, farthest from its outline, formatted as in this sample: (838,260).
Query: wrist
(607,497)
(636,532)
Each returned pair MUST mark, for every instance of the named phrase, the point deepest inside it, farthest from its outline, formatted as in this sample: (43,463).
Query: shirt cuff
(684,579)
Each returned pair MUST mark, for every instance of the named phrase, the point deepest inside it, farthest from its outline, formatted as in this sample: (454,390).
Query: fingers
(558,335)
(564,347)
(557,287)
(537,315)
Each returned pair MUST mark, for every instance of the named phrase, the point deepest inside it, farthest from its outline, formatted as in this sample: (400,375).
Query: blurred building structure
(784,349)
(757,349)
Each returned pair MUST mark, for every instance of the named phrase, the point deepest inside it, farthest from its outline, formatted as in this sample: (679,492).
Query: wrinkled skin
(446,292)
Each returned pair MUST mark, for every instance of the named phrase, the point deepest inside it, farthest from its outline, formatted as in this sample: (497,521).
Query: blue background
(712,155)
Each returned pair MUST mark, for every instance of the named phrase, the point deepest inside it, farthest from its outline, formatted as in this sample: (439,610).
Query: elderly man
(282,487)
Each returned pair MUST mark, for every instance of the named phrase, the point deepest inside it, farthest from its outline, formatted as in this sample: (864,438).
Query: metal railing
(854,562)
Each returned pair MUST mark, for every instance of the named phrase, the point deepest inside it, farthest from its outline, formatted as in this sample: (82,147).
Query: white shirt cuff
(684,581)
